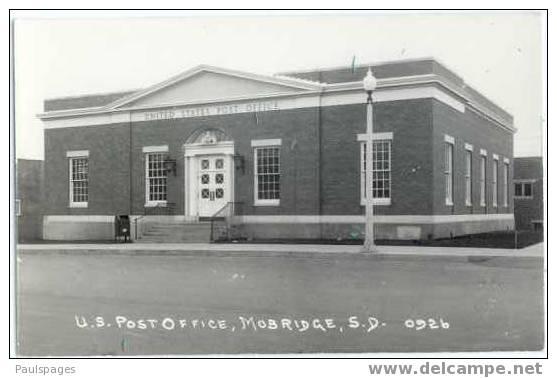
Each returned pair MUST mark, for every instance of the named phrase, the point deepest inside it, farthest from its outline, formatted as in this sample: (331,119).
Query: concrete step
(203,227)
(176,223)
(182,228)
(173,227)
(175,239)
(166,240)
(176,232)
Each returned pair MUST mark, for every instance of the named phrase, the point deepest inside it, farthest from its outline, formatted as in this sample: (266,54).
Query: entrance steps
(176,232)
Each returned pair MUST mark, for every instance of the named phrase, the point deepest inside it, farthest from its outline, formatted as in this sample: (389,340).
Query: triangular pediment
(212,84)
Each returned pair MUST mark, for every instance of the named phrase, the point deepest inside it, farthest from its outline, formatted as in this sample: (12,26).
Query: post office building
(280,156)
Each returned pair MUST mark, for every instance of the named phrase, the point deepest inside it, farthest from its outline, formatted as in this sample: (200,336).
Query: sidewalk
(232,249)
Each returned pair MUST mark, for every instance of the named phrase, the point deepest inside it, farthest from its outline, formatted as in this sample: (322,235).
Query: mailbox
(122,227)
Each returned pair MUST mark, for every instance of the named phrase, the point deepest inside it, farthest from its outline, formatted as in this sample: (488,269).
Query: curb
(378,256)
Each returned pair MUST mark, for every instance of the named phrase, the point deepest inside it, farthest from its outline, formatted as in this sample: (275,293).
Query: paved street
(135,304)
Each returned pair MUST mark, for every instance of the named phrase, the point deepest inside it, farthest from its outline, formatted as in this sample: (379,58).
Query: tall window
(79,181)
(155,183)
(449,179)
(494,182)
(468,178)
(267,175)
(381,172)
(506,184)
(483,174)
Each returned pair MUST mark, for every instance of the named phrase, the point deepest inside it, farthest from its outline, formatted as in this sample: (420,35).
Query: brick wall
(417,184)
(296,128)
(108,147)
(411,124)
(469,127)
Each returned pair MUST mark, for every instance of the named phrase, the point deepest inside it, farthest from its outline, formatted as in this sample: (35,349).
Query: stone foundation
(100,227)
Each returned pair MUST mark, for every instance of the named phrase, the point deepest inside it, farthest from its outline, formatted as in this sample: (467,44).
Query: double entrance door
(213,184)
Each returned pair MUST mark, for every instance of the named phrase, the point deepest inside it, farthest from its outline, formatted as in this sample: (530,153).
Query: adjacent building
(528,193)
(29,199)
(282,156)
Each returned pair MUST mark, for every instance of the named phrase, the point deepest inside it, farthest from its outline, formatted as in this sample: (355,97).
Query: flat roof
(397,68)
(334,75)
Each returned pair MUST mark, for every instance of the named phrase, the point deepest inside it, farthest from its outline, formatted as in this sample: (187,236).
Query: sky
(499,54)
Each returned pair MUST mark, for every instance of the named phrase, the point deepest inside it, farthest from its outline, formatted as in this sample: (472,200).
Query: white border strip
(449,139)
(389,219)
(255,104)
(468,147)
(417,93)
(87,120)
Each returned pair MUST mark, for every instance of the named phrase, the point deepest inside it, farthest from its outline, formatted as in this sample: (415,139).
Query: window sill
(79,205)
(266,203)
(155,204)
(378,202)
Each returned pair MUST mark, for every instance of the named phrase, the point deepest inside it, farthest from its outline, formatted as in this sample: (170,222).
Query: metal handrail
(220,210)
(157,206)
(226,212)
(230,204)
(135,224)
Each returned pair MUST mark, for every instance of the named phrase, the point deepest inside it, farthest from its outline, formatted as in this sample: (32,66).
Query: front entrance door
(213,184)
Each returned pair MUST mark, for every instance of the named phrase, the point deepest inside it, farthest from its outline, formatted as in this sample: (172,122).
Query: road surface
(111,304)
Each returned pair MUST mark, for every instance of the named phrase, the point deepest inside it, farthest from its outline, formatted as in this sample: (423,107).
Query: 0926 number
(430,323)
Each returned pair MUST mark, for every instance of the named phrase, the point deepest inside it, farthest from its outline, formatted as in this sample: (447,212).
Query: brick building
(282,156)
(29,199)
(528,192)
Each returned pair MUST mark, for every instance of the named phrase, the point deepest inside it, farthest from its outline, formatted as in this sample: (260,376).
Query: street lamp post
(370,83)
